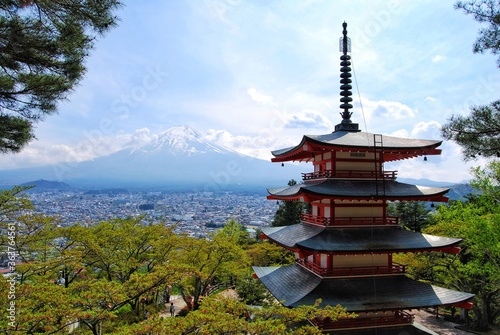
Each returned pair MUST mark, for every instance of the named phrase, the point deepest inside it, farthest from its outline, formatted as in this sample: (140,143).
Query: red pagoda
(344,246)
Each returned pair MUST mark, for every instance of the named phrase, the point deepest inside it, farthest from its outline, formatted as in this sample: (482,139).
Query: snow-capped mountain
(183,140)
(178,156)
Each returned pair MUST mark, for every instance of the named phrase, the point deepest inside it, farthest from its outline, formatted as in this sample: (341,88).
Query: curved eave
(393,148)
(355,241)
(295,286)
(358,190)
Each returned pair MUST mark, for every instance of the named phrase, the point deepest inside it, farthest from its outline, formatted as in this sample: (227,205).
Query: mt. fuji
(180,157)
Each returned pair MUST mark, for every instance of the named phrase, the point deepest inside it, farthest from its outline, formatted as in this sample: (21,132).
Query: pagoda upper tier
(391,148)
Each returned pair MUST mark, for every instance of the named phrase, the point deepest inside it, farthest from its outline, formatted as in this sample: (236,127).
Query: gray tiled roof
(379,239)
(358,188)
(362,140)
(295,286)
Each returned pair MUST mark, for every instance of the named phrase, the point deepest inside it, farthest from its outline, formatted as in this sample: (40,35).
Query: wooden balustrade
(348,174)
(396,319)
(395,268)
(371,221)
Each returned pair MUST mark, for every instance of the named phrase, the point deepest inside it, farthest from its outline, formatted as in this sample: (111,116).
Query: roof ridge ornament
(345,80)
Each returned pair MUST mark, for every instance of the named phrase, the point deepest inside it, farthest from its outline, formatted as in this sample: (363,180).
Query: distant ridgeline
(457,191)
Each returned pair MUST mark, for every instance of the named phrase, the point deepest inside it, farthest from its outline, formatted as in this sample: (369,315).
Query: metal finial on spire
(344,42)
(345,80)
(345,76)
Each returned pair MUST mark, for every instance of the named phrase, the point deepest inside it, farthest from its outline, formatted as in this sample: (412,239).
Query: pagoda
(344,246)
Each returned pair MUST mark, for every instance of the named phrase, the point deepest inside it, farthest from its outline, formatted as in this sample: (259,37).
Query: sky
(256,76)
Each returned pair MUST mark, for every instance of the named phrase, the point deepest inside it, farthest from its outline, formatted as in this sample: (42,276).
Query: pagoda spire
(345,80)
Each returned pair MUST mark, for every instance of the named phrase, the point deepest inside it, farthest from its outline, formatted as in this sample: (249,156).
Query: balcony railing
(339,222)
(399,318)
(348,174)
(358,271)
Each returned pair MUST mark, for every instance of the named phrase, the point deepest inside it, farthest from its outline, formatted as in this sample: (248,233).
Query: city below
(195,214)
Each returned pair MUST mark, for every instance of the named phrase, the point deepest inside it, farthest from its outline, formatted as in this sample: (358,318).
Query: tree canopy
(110,275)
(288,212)
(479,132)
(485,11)
(43,47)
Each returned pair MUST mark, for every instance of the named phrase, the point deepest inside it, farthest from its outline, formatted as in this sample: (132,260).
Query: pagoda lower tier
(294,286)
(380,302)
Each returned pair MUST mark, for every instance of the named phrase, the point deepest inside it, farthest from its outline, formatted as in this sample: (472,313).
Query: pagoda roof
(294,286)
(356,240)
(394,148)
(358,189)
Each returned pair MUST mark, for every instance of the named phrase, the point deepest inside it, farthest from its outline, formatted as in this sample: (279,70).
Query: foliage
(476,268)
(205,262)
(14,201)
(269,254)
(107,276)
(412,214)
(288,212)
(478,133)
(219,315)
(485,11)
(43,48)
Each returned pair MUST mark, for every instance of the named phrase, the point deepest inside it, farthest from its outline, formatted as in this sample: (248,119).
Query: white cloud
(437,58)
(431,99)
(259,146)
(429,130)
(259,97)
(386,110)
(307,119)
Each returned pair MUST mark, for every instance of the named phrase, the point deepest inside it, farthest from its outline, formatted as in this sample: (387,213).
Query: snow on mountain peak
(182,140)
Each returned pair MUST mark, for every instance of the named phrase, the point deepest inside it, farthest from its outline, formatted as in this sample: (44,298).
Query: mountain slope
(179,156)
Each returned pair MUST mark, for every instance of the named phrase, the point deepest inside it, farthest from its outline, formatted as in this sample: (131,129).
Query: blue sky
(257,75)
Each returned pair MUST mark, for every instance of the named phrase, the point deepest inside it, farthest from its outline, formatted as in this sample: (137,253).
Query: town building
(344,246)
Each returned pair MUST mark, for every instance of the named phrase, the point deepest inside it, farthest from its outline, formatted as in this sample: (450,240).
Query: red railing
(399,318)
(372,221)
(357,271)
(348,174)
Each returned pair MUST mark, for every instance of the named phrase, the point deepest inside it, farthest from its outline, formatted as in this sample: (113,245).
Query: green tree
(485,11)
(412,214)
(479,133)
(219,315)
(476,268)
(43,48)
(288,212)
(14,201)
(204,262)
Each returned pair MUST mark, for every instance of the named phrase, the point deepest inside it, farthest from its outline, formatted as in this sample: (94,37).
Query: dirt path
(178,303)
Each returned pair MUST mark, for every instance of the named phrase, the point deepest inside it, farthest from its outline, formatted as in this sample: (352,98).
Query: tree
(14,201)
(485,11)
(225,316)
(288,212)
(43,48)
(412,214)
(478,133)
(476,268)
(203,262)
